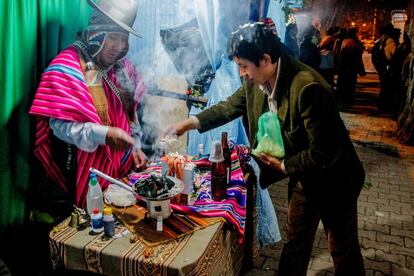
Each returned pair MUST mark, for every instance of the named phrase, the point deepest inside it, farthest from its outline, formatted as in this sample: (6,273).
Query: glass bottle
(218,172)
(226,155)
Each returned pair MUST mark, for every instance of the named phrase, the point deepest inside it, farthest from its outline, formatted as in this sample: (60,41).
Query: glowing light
(291,19)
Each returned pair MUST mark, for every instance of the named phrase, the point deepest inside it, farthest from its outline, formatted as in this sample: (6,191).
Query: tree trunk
(405,131)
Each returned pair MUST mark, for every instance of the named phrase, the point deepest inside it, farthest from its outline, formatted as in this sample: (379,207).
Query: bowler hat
(121,12)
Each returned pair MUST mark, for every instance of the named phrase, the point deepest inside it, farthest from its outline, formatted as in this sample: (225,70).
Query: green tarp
(31,34)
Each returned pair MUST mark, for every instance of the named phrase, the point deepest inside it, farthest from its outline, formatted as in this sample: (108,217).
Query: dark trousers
(390,96)
(329,75)
(346,84)
(341,227)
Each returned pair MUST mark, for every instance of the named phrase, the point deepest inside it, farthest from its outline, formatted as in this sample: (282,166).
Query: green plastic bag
(269,136)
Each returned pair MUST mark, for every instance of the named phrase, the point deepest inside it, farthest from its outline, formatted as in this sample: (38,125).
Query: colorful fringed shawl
(233,209)
(63,94)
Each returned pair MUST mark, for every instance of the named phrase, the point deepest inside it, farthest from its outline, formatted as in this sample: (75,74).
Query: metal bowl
(175,190)
(161,207)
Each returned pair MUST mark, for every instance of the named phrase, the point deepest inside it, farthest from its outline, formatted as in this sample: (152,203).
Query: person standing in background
(349,65)
(327,67)
(291,40)
(308,50)
(382,60)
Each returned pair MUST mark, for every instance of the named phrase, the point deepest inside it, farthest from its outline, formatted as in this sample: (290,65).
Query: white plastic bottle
(200,149)
(94,199)
(97,221)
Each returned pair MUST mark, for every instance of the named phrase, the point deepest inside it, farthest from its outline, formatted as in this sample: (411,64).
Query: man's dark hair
(252,41)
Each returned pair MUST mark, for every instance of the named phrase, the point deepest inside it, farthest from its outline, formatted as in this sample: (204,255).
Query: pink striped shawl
(233,209)
(63,94)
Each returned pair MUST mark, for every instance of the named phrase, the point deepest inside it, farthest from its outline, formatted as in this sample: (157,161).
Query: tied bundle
(176,163)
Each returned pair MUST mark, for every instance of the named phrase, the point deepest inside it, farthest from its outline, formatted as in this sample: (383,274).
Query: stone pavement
(385,206)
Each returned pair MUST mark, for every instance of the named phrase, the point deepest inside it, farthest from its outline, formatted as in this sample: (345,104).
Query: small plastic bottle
(108,222)
(94,198)
(97,223)
(200,150)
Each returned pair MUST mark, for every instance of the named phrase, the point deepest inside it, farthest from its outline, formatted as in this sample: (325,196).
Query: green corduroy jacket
(318,150)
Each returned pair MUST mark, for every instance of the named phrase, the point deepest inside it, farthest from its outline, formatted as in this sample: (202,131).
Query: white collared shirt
(88,136)
(271,95)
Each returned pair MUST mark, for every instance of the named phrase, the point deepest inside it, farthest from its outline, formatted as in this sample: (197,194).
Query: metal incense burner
(161,206)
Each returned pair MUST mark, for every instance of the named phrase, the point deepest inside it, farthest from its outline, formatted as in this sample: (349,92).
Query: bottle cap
(92,175)
(95,211)
(93,181)
(216,153)
(107,211)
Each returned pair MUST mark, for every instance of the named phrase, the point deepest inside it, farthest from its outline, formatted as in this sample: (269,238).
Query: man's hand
(179,128)
(118,139)
(271,161)
(140,159)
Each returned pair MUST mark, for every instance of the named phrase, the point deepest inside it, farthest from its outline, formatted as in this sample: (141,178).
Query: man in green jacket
(325,173)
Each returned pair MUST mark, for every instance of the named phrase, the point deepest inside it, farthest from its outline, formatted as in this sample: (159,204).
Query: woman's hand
(118,139)
(140,159)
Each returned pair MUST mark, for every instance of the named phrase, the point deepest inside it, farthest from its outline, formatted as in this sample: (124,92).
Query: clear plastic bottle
(94,199)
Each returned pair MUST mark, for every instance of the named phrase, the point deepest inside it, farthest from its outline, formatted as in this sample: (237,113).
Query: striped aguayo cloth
(233,209)
(210,251)
(174,227)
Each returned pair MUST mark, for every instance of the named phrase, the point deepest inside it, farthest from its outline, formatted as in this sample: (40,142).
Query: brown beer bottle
(218,172)
(226,155)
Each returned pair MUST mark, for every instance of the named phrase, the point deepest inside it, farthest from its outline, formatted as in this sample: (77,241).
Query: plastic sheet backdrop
(216,20)
(267,227)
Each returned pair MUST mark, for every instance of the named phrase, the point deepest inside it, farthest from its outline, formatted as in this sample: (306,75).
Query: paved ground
(385,206)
